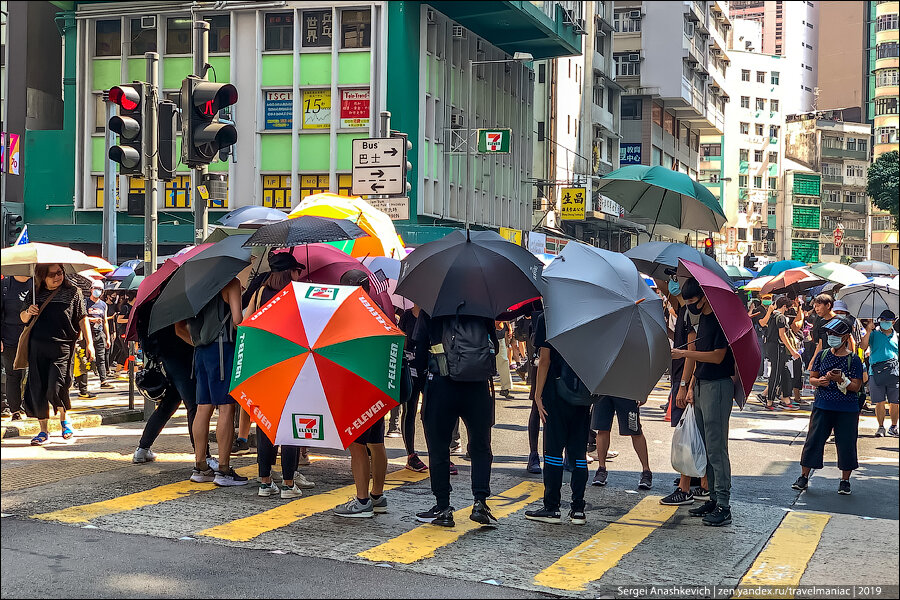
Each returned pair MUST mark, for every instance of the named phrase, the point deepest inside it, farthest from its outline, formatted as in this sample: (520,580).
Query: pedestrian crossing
(576,560)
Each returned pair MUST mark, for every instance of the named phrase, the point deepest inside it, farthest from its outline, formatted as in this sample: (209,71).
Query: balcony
(857,207)
(828,178)
(845,154)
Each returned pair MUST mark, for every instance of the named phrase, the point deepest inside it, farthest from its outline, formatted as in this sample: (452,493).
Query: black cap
(283,261)
(839,325)
(887,315)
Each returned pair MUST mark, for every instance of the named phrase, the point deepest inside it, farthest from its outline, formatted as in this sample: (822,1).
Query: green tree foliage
(883,180)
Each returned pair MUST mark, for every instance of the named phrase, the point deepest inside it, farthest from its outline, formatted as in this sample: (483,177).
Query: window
(773,157)
(886,135)
(773,105)
(887,77)
(598,90)
(655,156)
(851,144)
(757,156)
(855,171)
(773,183)
(542,73)
(178,35)
(745,128)
(599,42)
(623,23)
(882,223)
(742,181)
(219,33)
(760,104)
(885,22)
(745,101)
(758,129)
(657,113)
(773,130)
(862,145)
(632,108)
(836,143)
(178,192)
(887,50)
(710,150)
(280,31)
(277,190)
(610,99)
(356,28)
(744,154)
(669,123)
(774,77)
(625,67)
(108,36)
(885,106)
(745,74)
(760,77)
(142,40)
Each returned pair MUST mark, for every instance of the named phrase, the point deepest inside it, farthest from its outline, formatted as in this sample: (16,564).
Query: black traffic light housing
(709,247)
(167,159)
(407,166)
(128,124)
(12,227)
(203,134)
(750,261)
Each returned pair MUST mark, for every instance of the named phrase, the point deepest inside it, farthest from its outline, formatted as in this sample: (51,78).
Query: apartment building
(883,62)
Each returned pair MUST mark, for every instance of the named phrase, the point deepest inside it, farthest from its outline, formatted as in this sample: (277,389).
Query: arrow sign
(376,187)
(381,180)
(378,173)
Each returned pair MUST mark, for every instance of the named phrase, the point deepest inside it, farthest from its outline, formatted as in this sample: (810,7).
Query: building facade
(884,74)
(799,214)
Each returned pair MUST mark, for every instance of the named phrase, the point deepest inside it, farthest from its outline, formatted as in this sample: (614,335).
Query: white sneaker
(212,463)
(289,493)
(226,478)
(302,482)
(304,458)
(589,459)
(267,489)
(198,476)
(143,455)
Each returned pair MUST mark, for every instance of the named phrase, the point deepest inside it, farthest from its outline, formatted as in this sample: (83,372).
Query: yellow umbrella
(382,239)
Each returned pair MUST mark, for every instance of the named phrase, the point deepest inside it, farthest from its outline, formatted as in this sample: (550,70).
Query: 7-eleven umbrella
(317,365)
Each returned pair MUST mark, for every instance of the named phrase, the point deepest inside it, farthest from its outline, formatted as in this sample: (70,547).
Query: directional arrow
(376,187)
(391,151)
(378,173)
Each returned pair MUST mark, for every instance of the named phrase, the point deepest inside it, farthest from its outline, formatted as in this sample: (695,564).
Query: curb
(31,427)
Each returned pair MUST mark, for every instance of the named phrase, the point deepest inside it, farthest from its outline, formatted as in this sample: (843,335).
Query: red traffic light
(208,98)
(708,243)
(125,96)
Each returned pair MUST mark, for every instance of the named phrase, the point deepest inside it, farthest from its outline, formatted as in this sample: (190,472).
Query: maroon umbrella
(732,316)
(152,285)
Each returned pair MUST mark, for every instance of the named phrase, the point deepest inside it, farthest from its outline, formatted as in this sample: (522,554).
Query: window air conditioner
(459,32)
(634,14)
(148,22)
(457,120)
(429,15)
(634,58)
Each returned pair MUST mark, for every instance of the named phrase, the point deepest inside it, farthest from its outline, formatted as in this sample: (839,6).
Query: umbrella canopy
(305,229)
(605,322)
(20,260)
(664,195)
(736,272)
(124,270)
(383,239)
(838,273)
(794,280)
(875,268)
(220,233)
(317,365)
(475,273)
(387,269)
(198,280)
(91,274)
(754,285)
(732,316)
(655,258)
(150,287)
(251,213)
(829,287)
(868,300)
(779,267)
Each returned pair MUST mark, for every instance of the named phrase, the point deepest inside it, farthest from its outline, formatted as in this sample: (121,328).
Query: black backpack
(469,349)
(571,389)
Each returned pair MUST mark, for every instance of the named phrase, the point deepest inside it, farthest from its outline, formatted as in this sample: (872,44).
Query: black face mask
(695,308)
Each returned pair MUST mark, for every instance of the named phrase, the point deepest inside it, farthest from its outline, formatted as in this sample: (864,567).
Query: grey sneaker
(198,476)
(355,509)
(302,482)
(289,493)
(600,476)
(143,455)
(267,490)
(380,505)
(892,431)
(880,433)
(227,478)
(646,480)
(303,461)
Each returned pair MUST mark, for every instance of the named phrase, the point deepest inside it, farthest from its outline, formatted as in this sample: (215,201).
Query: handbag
(886,372)
(21,361)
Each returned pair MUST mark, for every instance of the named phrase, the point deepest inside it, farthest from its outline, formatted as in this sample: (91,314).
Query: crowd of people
(72,332)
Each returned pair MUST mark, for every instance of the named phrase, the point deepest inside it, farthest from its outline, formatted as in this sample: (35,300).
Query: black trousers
(822,423)
(567,428)
(408,415)
(183,389)
(100,357)
(445,402)
(14,379)
(265,456)
(780,380)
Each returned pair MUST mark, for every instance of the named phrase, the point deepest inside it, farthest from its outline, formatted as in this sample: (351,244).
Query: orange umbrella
(793,280)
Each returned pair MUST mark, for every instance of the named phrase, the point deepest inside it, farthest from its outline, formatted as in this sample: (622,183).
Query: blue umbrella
(779,267)
(126,269)
(252,213)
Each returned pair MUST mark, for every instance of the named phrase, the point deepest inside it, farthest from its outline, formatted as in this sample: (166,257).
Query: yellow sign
(204,193)
(316,109)
(513,235)
(572,204)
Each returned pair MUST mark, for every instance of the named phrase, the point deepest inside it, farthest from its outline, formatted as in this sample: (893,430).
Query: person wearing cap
(841,309)
(823,305)
(881,339)
(837,376)
(96,310)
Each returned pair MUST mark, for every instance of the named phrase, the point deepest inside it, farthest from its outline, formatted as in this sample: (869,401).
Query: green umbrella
(838,273)
(664,195)
(736,272)
(220,233)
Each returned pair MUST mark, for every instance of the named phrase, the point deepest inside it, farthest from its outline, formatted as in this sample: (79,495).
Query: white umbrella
(868,300)
(754,285)
(20,260)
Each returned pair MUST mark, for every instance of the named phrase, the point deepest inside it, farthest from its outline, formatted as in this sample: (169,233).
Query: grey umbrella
(605,321)
(655,258)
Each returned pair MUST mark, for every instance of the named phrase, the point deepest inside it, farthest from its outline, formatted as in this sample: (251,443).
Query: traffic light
(750,261)
(203,134)
(407,166)
(12,228)
(127,124)
(709,247)
(167,156)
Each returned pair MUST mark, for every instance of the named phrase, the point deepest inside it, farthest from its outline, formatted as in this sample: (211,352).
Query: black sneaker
(600,476)
(239,445)
(442,517)
(544,515)
(228,477)
(506,393)
(482,514)
(844,487)
(577,517)
(801,484)
(700,493)
(719,517)
(703,510)
(534,463)
(677,498)
(646,480)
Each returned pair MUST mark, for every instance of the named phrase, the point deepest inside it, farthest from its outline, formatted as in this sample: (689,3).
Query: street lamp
(470,114)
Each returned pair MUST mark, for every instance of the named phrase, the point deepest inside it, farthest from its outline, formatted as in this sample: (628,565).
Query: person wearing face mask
(780,348)
(837,376)
(97,309)
(881,340)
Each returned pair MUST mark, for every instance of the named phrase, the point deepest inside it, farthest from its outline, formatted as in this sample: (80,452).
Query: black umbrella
(475,273)
(198,280)
(305,229)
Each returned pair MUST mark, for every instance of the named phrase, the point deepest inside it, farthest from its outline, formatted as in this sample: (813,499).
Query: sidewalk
(109,407)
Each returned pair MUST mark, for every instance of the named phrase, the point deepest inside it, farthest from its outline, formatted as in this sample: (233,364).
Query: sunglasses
(54,273)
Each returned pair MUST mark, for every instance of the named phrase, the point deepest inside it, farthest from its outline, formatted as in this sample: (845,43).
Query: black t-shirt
(418,353)
(97,309)
(14,294)
(540,341)
(711,337)
(60,321)
(680,340)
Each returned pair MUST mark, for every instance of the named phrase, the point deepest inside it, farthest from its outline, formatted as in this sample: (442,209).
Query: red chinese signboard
(355,108)
(838,236)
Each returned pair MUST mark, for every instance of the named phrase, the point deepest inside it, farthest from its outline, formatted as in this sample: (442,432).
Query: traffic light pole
(110,185)
(151,148)
(198,175)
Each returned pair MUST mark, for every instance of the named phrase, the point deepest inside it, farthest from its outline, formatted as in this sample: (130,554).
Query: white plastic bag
(688,450)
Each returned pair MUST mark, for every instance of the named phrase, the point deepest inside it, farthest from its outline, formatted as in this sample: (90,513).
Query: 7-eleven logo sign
(308,427)
(494,140)
(321,293)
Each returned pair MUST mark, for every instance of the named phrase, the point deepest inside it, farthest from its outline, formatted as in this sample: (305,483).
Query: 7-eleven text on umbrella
(365,417)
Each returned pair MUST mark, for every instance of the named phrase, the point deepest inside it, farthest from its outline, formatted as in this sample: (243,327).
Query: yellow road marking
(592,559)
(422,541)
(784,559)
(163,493)
(247,528)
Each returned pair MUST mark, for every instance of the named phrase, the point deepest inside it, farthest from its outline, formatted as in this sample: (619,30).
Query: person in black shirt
(823,306)
(417,356)
(713,399)
(15,289)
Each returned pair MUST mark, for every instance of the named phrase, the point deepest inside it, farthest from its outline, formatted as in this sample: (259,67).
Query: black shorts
(627,412)
(372,435)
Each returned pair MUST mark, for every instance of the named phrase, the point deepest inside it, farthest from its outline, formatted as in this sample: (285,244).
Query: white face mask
(96,293)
